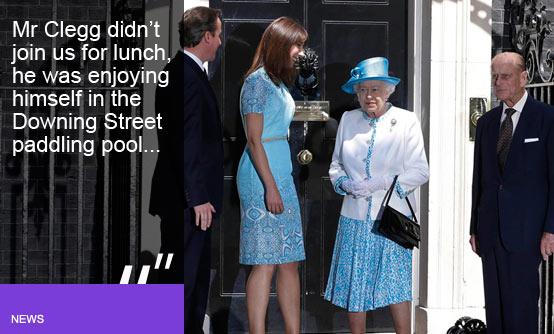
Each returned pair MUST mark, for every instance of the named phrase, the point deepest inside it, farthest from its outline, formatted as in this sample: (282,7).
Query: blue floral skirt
(368,271)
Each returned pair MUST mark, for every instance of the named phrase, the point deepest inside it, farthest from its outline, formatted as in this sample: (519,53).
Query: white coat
(381,147)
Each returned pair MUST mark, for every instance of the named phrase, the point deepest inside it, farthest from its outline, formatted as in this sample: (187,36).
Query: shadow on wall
(480,13)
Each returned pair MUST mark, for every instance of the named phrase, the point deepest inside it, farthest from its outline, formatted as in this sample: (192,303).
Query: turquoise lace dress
(266,238)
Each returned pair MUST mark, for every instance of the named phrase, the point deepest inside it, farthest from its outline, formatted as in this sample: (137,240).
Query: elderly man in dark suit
(512,214)
(187,186)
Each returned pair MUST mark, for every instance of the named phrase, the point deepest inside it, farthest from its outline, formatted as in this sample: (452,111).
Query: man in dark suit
(187,186)
(512,214)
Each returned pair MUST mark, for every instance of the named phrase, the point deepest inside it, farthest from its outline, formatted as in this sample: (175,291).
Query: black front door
(342,33)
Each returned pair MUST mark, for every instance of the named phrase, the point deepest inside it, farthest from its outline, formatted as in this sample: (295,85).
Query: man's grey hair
(510,57)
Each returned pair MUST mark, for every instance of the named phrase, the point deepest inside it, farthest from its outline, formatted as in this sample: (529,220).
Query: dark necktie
(505,138)
(206,74)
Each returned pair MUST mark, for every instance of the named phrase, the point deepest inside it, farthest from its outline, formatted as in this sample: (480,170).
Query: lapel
(522,129)
(492,132)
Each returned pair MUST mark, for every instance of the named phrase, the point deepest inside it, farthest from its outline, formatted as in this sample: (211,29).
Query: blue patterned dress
(369,271)
(266,238)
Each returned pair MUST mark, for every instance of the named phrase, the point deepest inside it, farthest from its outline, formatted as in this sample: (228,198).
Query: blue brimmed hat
(376,68)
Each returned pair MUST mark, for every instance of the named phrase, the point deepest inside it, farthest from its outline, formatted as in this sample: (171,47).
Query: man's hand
(547,245)
(473,243)
(203,215)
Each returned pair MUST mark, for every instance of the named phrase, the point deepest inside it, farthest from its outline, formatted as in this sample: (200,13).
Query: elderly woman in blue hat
(374,143)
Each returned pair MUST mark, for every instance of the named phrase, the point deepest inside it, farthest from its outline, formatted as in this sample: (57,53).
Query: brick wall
(501,26)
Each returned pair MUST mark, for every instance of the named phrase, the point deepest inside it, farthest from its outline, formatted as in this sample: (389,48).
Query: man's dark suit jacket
(518,205)
(189,170)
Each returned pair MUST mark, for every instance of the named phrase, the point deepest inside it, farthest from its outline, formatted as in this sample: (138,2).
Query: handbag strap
(388,195)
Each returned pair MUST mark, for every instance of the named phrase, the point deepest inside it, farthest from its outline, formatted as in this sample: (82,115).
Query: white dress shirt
(518,107)
(387,146)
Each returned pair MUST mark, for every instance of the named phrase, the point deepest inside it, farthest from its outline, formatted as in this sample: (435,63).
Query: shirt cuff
(338,184)
(400,191)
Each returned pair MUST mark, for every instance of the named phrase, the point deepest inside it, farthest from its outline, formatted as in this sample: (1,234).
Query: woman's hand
(375,184)
(366,187)
(273,200)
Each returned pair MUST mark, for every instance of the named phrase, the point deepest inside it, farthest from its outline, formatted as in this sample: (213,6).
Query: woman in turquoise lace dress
(271,230)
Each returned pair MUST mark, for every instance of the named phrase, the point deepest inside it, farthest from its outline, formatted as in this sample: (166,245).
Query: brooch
(392,123)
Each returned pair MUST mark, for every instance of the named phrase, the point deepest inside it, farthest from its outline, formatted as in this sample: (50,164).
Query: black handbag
(396,226)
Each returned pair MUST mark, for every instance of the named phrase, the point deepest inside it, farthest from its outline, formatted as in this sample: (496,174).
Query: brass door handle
(475,117)
(477,108)
(304,157)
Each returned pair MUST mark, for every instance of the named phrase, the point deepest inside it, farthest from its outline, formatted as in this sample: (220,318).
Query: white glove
(366,187)
(377,183)
(352,187)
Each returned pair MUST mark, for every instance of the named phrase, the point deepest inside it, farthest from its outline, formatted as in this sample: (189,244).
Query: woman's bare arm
(254,128)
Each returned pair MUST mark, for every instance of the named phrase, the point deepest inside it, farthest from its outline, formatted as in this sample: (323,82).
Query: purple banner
(91,308)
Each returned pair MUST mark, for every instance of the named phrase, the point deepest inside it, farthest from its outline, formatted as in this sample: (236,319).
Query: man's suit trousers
(511,283)
(190,265)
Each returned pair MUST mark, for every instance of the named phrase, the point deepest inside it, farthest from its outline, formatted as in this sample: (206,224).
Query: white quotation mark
(143,276)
